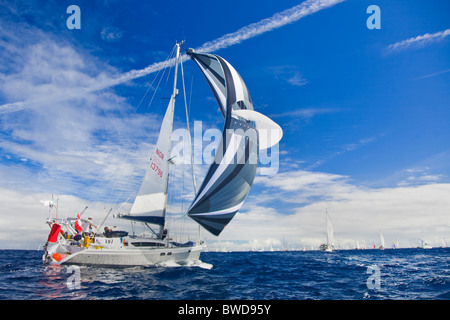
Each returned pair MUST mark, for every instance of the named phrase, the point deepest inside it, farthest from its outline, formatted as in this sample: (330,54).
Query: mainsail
(229,179)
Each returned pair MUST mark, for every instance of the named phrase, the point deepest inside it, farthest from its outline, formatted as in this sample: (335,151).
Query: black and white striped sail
(229,179)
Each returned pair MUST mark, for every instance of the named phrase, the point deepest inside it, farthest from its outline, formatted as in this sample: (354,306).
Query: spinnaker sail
(230,177)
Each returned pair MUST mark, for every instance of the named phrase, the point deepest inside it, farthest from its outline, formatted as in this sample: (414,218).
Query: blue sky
(365,112)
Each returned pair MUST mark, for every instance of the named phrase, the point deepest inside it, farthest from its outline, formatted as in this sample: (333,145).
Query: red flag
(78,224)
(53,236)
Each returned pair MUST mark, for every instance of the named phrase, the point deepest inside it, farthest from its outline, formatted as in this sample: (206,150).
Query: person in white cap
(88,227)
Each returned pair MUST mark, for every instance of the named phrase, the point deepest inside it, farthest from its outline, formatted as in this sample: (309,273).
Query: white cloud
(298,200)
(111,34)
(419,41)
(289,74)
(66,133)
(418,176)
(288,210)
(276,21)
(23,217)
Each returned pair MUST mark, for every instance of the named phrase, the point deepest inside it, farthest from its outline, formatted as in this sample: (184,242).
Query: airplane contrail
(276,21)
(418,41)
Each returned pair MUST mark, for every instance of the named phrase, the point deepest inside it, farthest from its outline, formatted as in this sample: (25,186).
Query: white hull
(126,256)
(136,257)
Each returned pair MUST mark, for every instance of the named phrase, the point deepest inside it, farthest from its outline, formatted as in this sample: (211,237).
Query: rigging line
(87,191)
(109,200)
(130,179)
(131,149)
(94,179)
(190,144)
(170,57)
(190,94)
(99,227)
(116,182)
(188,129)
(154,79)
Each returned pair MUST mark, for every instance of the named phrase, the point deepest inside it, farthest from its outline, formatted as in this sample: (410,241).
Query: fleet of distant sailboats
(329,245)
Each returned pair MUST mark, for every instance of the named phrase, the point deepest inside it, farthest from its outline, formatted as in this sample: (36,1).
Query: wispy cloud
(288,74)
(274,22)
(305,113)
(111,34)
(294,120)
(419,41)
(69,136)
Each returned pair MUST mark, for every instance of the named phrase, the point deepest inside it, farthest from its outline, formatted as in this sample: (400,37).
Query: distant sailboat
(328,247)
(219,198)
(381,241)
(424,245)
(395,245)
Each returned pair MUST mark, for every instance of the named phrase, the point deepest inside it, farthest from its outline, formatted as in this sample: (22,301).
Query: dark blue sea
(392,274)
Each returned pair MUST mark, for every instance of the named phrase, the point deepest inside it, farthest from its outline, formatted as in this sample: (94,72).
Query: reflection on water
(55,284)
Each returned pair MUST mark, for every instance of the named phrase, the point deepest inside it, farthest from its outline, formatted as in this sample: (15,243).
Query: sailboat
(424,245)
(222,193)
(328,247)
(381,241)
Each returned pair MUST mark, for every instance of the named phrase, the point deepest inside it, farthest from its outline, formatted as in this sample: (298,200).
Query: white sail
(381,241)
(270,133)
(150,203)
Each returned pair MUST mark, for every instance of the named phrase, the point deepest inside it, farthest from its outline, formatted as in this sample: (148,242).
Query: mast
(175,90)
(172,98)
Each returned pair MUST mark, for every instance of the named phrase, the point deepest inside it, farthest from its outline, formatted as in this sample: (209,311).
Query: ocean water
(401,274)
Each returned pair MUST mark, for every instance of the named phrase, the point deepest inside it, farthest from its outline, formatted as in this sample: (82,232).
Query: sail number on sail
(154,166)
(157,169)
(160,154)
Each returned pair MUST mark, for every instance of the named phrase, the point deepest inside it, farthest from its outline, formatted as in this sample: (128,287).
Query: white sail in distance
(330,236)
